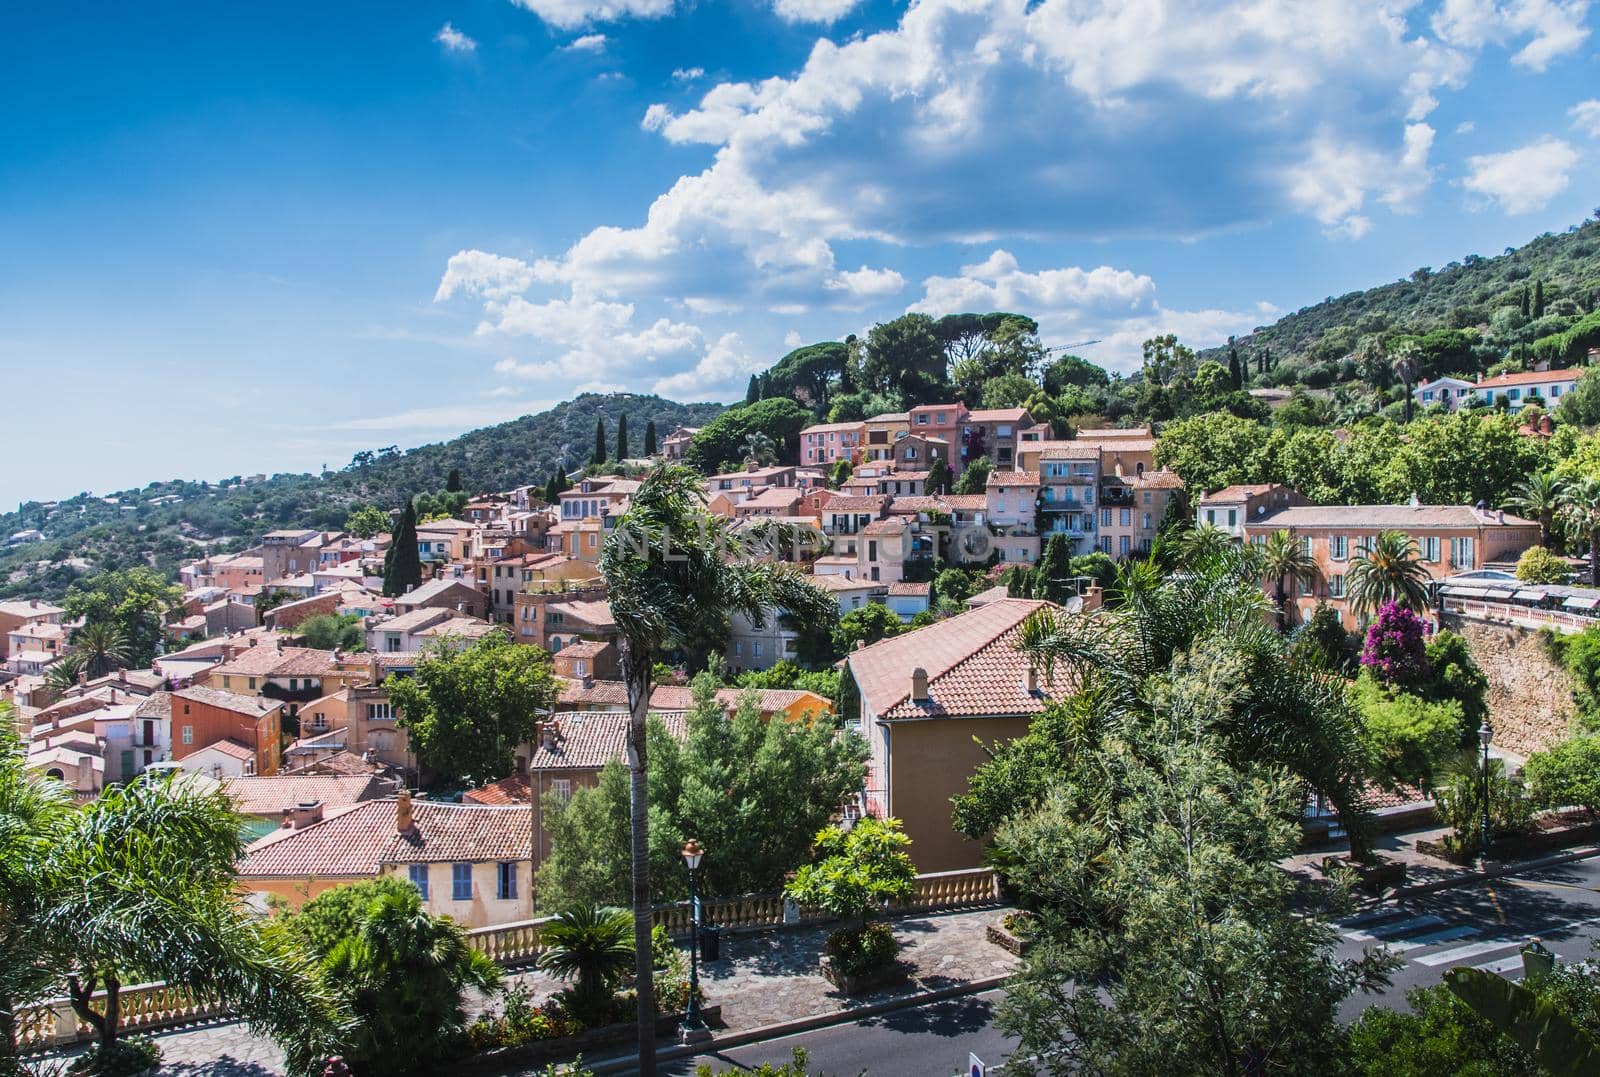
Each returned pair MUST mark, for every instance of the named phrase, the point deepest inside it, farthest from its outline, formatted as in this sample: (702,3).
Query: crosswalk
(1433,942)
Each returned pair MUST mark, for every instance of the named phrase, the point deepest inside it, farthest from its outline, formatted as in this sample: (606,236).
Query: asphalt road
(1483,926)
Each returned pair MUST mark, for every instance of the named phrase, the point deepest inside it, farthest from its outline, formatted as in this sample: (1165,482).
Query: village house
(1448,538)
(445,594)
(1232,507)
(18,613)
(1125,452)
(470,862)
(937,428)
(825,443)
(881,433)
(204,716)
(995,433)
(931,700)
(1131,510)
(675,444)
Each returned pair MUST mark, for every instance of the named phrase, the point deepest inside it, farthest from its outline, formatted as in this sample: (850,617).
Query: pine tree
(1235,371)
(599,456)
(650,437)
(938,475)
(403,565)
(452,482)
(1538,299)
(622,437)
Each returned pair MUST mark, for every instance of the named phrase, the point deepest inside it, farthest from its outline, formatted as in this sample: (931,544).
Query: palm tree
(760,448)
(669,574)
(1539,496)
(62,674)
(1407,364)
(1388,571)
(103,647)
(593,945)
(1203,544)
(1283,559)
(1581,502)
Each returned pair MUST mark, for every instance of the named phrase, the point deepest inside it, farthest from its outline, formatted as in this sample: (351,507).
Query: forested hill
(166,522)
(1560,272)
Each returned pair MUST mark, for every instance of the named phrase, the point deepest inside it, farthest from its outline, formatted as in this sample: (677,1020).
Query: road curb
(1469,878)
(801,1024)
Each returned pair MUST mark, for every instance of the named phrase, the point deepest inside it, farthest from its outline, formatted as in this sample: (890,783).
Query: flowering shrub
(1396,650)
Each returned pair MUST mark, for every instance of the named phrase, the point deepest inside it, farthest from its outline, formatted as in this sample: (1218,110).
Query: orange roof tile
(356,842)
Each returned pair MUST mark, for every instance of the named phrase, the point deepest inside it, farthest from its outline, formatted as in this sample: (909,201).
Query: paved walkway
(765,977)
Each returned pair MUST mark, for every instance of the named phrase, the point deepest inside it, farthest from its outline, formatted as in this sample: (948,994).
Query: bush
(1460,800)
(854,951)
(795,1067)
(1396,649)
(1568,774)
(122,1057)
(1410,738)
(1454,675)
(1539,565)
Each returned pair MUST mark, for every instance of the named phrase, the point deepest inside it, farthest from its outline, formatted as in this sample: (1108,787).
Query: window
(379,712)
(1146,523)
(1125,518)
(418,873)
(1336,585)
(738,648)
(1427,394)
(561,787)
(1339,547)
(1306,586)
(1211,517)
(252,683)
(1105,517)
(461,882)
(1233,517)
(506,881)
(1428,548)
(755,648)
(188,734)
(1124,544)
(1305,545)
(1555,391)
(1513,394)
(1461,552)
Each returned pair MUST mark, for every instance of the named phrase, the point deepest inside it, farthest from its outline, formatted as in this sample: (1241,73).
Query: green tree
(650,438)
(452,481)
(905,356)
(1410,739)
(401,970)
(842,470)
(332,632)
(1454,676)
(134,600)
(622,436)
(1580,502)
(599,454)
(467,711)
(974,478)
(1539,498)
(1323,642)
(101,648)
(938,475)
(1539,565)
(593,946)
(365,521)
(759,447)
(1008,390)
(1284,560)
(1567,774)
(867,623)
(722,440)
(1066,371)
(856,871)
(667,576)
(1204,544)
(1212,451)
(1388,570)
(402,564)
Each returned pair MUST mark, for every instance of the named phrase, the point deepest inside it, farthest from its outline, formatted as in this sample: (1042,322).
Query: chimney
(83,678)
(307,812)
(122,676)
(1414,501)
(919,685)
(403,822)
(1030,680)
(288,817)
(549,734)
(750,464)
(1547,425)
(1093,598)
(408,588)
(1499,516)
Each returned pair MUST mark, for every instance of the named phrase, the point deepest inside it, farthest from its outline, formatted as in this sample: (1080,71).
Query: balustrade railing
(149,1007)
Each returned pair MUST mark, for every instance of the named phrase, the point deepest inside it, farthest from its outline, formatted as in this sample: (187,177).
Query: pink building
(828,442)
(941,421)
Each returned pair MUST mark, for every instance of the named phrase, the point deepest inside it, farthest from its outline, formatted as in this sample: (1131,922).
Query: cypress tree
(1538,298)
(1524,300)
(599,456)
(650,437)
(452,482)
(550,488)
(1235,371)
(622,437)
(402,564)
(938,476)
(752,392)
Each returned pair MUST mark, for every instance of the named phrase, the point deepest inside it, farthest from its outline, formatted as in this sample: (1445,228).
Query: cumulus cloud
(492,276)
(454,40)
(1546,29)
(791,339)
(867,283)
(688,74)
(1586,117)
(1521,180)
(1115,306)
(586,43)
(819,11)
(720,373)
(571,14)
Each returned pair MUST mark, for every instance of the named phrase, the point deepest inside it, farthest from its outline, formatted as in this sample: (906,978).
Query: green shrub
(1568,774)
(1410,739)
(122,1057)
(1460,800)
(1539,565)
(855,951)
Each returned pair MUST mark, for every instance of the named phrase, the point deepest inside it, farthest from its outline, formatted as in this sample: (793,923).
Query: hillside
(166,522)
(1481,295)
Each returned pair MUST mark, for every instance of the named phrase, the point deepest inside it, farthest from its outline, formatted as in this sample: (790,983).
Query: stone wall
(1530,697)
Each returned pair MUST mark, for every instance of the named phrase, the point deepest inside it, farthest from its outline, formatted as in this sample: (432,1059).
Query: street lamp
(693,1027)
(1485,736)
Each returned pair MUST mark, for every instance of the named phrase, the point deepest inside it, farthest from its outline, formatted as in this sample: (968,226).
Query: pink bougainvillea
(1396,650)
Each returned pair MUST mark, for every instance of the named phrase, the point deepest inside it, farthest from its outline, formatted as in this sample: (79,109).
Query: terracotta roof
(988,595)
(232,748)
(433,589)
(891,526)
(154,705)
(305,662)
(595,614)
(357,841)
(1238,492)
(966,502)
(773,497)
(1388,517)
(907,588)
(828,428)
(1013,478)
(512,790)
(1165,479)
(268,796)
(833,581)
(668,698)
(25,608)
(254,706)
(414,620)
(341,762)
(997,415)
(597,693)
(866,503)
(1117,434)
(891,417)
(1532,377)
(590,739)
(585,648)
(973,665)
(1061,450)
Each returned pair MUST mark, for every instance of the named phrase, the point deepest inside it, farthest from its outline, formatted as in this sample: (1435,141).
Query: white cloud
(791,339)
(867,283)
(688,74)
(1116,307)
(1586,117)
(1550,28)
(1335,180)
(822,11)
(1466,127)
(454,40)
(586,43)
(720,373)
(492,276)
(448,416)
(571,14)
(1522,180)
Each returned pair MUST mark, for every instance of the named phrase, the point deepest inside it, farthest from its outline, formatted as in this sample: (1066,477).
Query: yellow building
(881,433)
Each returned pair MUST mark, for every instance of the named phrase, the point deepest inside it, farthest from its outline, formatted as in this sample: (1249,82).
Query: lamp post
(1485,736)
(693,1027)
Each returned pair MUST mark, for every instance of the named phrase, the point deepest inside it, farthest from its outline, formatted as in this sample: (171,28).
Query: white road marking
(1461,953)
(1389,931)
(1443,935)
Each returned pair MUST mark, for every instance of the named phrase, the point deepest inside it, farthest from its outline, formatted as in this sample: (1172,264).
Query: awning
(1530,596)
(1578,603)
(1497,593)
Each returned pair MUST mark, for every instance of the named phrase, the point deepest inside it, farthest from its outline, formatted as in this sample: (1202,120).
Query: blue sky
(262,237)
